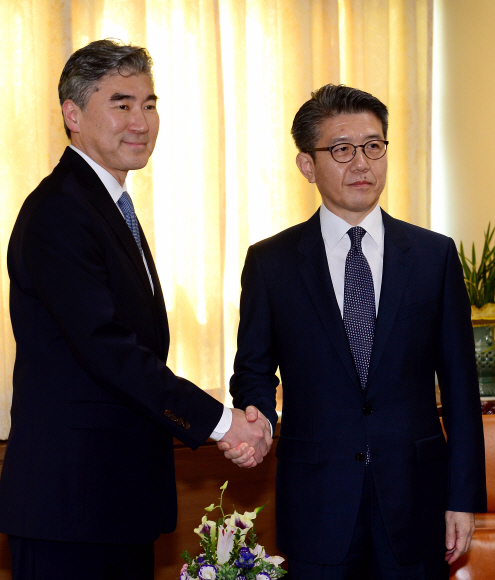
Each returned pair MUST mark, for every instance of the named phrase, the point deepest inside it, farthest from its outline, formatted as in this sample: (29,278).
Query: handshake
(249,438)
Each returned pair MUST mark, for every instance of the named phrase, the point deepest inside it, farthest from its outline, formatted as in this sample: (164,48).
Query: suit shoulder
(51,208)
(51,186)
(419,235)
(287,238)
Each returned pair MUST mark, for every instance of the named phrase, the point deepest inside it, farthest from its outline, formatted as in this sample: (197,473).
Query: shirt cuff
(223,425)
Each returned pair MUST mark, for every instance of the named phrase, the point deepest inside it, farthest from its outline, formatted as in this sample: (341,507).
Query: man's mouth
(360,183)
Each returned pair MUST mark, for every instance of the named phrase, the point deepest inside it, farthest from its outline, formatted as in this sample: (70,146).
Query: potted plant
(480,283)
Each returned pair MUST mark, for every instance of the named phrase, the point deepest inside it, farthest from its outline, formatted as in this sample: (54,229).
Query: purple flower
(206,529)
(246,559)
(207,572)
(200,559)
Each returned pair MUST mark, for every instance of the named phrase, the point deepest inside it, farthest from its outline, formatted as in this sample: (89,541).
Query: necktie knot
(356,234)
(125,204)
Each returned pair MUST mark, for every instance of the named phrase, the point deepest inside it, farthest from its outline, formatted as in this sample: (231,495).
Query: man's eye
(124,107)
(373,145)
(342,148)
(150,107)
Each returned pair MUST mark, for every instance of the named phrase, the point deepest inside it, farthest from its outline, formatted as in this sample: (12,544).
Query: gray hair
(328,101)
(83,70)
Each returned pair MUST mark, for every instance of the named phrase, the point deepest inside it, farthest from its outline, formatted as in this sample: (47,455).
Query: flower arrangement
(230,549)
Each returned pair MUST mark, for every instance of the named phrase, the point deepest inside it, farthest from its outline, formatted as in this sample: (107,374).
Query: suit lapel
(313,268)
(103,202)
(159,302)
(397,264)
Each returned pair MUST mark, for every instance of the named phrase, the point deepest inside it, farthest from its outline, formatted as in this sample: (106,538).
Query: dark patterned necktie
(359,304)
(127,208)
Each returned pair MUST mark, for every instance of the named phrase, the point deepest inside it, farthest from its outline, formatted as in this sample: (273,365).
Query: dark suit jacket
(90,454)
(290,319)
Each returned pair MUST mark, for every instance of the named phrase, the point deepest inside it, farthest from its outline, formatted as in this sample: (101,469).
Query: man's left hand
(460,529)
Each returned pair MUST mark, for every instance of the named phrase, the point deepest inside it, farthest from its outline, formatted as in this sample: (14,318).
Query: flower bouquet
(230,551)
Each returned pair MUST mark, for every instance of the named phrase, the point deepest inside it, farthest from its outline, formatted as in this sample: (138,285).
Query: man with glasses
(358,311)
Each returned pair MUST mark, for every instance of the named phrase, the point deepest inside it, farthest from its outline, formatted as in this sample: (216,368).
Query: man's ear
(306,166)
(71,113)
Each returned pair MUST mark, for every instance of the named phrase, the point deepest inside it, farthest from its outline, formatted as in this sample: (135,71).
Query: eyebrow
(344,139)
(124,97)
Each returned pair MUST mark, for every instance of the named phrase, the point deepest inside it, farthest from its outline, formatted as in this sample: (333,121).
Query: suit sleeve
(254,381)
(66,268)
(460,395)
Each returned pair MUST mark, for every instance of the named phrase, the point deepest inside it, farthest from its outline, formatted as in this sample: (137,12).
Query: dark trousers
(47,560)
(370,556)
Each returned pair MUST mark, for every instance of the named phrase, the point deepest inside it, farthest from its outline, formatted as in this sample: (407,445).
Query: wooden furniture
(479,562)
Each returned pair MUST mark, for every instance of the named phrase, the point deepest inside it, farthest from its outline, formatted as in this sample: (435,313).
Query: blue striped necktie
(127,208)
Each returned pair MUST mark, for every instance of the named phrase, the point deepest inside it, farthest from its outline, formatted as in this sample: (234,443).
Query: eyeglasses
(345,152)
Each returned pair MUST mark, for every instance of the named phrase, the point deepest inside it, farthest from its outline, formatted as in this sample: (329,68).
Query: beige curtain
(230,75)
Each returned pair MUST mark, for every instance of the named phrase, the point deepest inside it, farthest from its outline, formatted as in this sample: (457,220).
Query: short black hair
(328,101)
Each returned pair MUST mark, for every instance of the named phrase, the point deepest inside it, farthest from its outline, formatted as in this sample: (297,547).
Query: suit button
(367,409)
(180,422)
(167,413)
(360,457)
(173,417)
(187,425)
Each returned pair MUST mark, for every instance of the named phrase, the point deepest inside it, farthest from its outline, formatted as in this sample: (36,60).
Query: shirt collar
(111,184)
(334,228)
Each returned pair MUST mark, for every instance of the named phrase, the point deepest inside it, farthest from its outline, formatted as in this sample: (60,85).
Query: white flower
(275,560)
(225,543)
(258,551)
(207,572)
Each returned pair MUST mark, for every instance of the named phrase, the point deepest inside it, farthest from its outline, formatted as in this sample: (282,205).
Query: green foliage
(227,573)
(480,278)
(252,538)
(209,553)
(193,567)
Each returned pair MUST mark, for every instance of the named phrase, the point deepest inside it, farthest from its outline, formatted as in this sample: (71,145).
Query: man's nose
(360,162)
(138,121)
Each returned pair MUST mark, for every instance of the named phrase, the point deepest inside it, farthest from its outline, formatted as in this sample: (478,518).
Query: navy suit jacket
(290,319)
(95,408)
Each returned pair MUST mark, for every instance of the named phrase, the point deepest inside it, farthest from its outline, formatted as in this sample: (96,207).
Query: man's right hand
(249,438)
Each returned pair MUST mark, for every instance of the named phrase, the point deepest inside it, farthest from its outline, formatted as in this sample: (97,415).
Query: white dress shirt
(337,245)
(115,190)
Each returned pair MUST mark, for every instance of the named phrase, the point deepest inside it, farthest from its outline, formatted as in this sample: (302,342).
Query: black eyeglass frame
(356,147)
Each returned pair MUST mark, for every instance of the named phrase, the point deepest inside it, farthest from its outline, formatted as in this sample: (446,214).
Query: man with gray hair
(88,480)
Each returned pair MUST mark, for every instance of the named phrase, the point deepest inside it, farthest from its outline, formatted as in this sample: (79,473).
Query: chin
(133,164)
